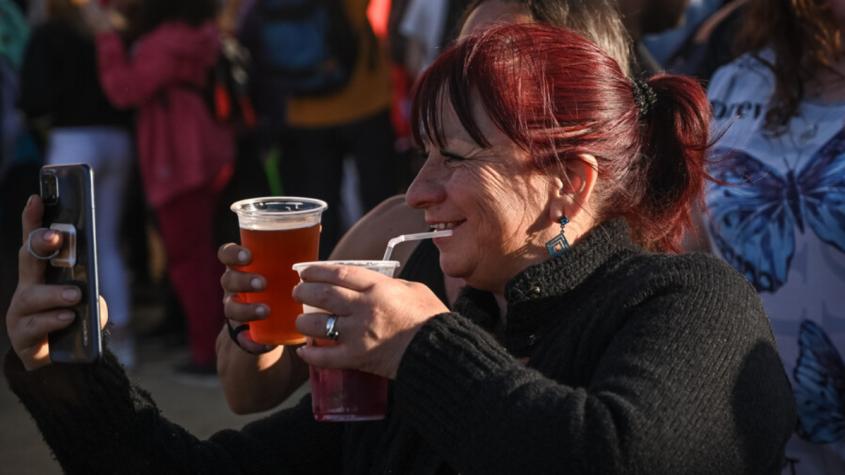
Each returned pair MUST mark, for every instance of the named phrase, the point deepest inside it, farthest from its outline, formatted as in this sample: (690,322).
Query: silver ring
(332,333)
(35,254)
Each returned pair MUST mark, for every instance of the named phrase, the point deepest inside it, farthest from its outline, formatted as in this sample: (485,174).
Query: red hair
(557,95)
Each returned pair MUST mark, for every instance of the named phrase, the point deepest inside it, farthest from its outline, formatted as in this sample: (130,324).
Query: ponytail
(675,138)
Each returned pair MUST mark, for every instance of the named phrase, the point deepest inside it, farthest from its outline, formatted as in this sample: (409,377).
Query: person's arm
(258,382)
(96,421)
(254,383)
(130,82)
(690,382)
(255,377)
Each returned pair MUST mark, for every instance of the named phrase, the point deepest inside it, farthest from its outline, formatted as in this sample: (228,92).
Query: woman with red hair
(581,344)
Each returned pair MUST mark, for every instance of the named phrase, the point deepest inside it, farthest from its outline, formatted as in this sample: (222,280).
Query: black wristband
(235,331)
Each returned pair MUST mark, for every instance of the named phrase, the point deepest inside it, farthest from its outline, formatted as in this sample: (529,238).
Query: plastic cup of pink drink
(345,395)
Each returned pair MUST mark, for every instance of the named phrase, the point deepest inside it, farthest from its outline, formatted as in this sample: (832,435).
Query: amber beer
(279,232)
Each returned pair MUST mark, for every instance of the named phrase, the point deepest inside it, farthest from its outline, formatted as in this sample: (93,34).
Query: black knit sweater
(636,363)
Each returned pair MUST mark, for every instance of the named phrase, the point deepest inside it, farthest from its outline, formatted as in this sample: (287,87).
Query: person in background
(581,341)
(185,156)
(776,214)
(234,103)
(643,17)
(352,121)
(710,42)
(663,45)
(256,378)
(428,26)
(417,31)
(61,91)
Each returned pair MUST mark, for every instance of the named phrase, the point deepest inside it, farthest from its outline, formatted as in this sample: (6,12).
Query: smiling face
(493,198)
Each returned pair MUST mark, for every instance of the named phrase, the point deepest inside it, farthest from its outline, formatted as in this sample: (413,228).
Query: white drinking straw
(413,237)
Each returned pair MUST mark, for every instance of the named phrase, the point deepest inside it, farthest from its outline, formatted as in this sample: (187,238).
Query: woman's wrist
(238,335)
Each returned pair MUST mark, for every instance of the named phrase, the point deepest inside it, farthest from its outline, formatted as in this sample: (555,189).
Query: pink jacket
(180,146)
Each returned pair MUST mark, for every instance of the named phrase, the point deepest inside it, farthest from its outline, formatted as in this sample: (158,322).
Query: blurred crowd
(182,107)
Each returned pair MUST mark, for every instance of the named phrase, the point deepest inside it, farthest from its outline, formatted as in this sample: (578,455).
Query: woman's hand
(377,317)
(37,309)
(234,282)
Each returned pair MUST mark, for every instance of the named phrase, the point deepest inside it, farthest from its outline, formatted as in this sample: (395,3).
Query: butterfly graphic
(819,389)
(756,209)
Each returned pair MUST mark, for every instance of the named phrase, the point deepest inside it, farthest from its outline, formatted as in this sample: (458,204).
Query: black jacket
(636,363)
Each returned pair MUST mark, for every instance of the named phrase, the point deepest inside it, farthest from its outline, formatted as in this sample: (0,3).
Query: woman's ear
(573,187)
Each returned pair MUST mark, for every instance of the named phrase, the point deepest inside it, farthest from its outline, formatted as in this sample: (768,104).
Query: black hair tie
(644,96)
(233,334)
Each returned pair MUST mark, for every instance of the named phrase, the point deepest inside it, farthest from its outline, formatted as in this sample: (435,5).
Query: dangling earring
(559,244)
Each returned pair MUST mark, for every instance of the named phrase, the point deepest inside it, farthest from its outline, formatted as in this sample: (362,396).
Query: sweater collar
(532,294)
(559,275)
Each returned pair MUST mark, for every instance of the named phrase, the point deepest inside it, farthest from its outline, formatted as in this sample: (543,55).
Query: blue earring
(559,244)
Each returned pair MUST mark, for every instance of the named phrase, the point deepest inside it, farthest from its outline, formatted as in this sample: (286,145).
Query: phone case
(68,195)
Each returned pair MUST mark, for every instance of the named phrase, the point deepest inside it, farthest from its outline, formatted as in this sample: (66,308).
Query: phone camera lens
(49,189)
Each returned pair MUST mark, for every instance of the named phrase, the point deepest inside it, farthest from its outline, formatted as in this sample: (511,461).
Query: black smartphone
(68,195)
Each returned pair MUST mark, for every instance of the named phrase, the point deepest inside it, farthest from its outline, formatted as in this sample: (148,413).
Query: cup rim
(349,262)
(237,206)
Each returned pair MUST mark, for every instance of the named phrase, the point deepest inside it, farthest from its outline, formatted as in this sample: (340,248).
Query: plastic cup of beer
(279,231)
(347,395)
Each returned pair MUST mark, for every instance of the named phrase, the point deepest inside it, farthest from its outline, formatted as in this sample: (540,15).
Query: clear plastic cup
(345,395)
(279,231)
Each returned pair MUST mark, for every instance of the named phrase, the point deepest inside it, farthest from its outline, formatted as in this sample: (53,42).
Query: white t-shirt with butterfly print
(780,220)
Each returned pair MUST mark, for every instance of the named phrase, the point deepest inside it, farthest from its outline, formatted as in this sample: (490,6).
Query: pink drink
(345,395)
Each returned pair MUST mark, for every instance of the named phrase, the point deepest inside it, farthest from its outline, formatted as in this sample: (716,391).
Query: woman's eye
(450,157)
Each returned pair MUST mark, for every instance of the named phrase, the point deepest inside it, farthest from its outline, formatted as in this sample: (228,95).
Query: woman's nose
(427,187)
